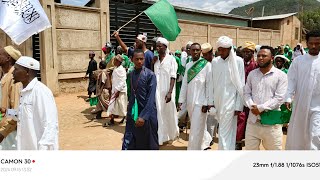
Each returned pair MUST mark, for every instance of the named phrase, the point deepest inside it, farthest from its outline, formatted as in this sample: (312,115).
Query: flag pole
(127,23)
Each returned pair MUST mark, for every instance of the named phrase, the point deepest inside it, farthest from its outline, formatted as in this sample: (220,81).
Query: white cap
(162,40)
(142,38)
(28,62)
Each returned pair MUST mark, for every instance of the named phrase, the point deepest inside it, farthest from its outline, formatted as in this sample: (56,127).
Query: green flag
(164,17)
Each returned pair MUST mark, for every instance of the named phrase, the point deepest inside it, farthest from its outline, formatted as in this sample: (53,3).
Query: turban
(206,47)
(224,42)
(15,54)
(119,58)
(142,38)
(282,57)
(249,45)
(189,43)
(178,52)
(163,41)
(28,62)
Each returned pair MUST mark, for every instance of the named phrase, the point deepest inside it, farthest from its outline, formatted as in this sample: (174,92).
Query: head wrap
(119,58)
(249,45)
(104,48)
(28,62)
(206,47)
(163,41)
(224,42)
(142,38)
(282,57)
(178,52)
(15,54)
(189,42)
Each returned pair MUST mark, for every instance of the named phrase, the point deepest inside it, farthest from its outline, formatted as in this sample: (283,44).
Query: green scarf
(109,57)
(180,69)
(196,68)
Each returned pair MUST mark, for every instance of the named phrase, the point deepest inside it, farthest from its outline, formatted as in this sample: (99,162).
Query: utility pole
(262,12)
(301,2)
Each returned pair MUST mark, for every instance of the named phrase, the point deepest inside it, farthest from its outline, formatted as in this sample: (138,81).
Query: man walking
(264,91)
(10,93)
(194,92)
(142,125)
(227,90)
(304,88)
(92,81)
(165,69)
(37,116)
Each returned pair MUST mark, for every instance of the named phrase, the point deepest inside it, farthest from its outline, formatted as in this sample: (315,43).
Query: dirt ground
(77,130)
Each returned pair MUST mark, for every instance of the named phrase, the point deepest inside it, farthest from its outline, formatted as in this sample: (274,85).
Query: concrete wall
(204,32)
(288,28)
(267,24)
(65,47)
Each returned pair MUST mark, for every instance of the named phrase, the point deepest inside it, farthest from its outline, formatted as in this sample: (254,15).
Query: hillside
(273,7)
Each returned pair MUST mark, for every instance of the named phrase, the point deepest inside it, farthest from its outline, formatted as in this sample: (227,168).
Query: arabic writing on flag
(20,19)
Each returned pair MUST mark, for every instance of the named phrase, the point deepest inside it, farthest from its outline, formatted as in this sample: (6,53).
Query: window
(296,34)
(288,22)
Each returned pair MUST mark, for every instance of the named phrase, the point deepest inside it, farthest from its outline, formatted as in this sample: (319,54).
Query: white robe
(195,95)
(119,105)
(167,114)
(37,127)
(304,85)
(226,100)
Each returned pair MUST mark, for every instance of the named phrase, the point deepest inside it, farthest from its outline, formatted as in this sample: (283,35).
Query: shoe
(94,111)
(111,122)
(208,148)
(98,116)
(122,121)
(238,146)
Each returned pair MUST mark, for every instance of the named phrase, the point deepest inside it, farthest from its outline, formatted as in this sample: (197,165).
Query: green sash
(135,112)
(276,117)
(109,57)
(196,68)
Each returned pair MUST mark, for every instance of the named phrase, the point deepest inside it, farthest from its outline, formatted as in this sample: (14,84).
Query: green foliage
(310,17)
(274,7)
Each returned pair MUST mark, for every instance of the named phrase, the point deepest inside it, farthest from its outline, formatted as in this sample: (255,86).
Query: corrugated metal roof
(280,16)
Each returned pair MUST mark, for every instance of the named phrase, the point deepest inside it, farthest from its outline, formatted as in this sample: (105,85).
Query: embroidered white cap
(28,62)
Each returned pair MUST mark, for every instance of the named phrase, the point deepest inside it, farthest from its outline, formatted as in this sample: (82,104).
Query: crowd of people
(240,95)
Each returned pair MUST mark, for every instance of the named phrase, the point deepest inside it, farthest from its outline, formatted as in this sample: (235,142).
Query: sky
(220,6)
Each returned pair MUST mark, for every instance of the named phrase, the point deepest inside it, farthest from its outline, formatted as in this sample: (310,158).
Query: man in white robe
(165,69)
(304,89)
(228,80)
(119,101)
(194,92)
(37,116)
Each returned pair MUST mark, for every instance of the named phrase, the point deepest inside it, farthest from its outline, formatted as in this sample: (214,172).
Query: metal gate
(36,51)
(121,13)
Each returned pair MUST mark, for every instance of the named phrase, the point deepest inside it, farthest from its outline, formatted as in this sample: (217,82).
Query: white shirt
(119,76)
(267,91)
(37,127)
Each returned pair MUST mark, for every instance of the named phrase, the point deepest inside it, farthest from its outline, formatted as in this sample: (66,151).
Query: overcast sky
(221,6)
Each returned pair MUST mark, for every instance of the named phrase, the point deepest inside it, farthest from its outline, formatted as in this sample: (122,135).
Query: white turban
(224,42)
(163,41)
(189,43)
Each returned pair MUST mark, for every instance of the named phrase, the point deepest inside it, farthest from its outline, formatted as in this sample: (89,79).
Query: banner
(20,19)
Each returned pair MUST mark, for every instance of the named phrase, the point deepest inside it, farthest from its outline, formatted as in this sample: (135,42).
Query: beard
(265,64)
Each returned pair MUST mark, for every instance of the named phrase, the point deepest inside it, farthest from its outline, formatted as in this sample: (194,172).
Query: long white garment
(167,114)
(195,95)
(184,57)
(119,106)
(304,86)
(37,127)
(226,100)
